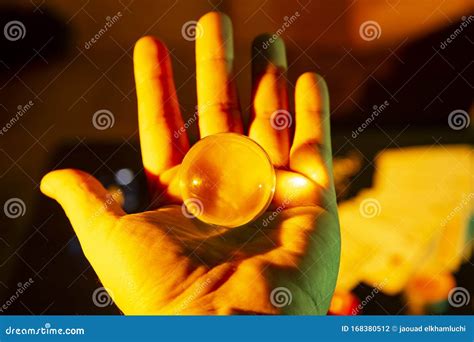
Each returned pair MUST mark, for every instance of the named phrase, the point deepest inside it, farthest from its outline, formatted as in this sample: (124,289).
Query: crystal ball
(227,180)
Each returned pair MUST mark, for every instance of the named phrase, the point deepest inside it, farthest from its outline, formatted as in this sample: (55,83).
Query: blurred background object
(399,74)
(411,231)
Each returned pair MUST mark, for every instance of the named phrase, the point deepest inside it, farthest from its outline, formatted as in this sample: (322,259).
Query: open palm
(163,262)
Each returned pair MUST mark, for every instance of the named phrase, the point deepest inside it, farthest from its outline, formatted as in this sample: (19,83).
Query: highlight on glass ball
(227,180)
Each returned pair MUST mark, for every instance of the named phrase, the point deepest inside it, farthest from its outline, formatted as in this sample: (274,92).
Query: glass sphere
(226,179)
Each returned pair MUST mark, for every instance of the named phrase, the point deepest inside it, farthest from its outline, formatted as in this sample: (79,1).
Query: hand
(159,261)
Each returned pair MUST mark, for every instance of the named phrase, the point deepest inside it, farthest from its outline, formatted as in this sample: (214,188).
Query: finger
(89,207)
(270,120)
(218,104)
(295,190)
(311,150)
(163,144)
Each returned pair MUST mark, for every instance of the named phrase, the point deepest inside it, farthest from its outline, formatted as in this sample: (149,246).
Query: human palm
(164,262)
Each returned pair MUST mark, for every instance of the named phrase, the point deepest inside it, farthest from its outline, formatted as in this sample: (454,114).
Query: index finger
(159,116)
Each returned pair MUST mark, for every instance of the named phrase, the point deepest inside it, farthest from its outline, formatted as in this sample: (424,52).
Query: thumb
(89,207)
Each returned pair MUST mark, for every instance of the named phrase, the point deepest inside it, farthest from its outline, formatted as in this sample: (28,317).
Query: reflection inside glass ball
(226,179)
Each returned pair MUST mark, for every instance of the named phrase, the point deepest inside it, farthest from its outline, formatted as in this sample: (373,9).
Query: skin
(161,262)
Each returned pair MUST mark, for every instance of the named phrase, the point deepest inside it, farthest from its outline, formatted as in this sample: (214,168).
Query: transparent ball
(227,180)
